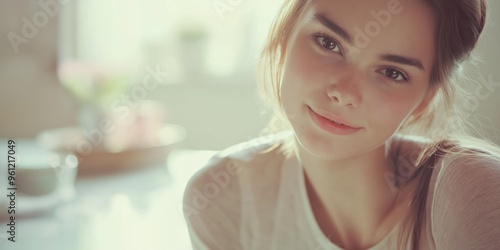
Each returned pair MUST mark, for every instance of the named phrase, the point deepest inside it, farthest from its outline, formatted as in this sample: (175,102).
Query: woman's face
(364,62)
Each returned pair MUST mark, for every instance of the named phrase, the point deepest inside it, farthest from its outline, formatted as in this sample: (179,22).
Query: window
(214,39)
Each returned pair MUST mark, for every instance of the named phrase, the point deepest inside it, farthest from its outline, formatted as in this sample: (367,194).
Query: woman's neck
(353,199)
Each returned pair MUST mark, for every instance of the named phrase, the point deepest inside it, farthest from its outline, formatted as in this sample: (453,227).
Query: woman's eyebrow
(411,61)
(334,27)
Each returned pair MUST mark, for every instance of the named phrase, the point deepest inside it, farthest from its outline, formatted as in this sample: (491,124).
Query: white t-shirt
(245,200)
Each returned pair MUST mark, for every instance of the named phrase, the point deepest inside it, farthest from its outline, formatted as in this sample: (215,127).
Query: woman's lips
(332,124)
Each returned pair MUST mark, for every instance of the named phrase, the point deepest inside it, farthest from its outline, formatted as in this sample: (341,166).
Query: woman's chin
(321,148)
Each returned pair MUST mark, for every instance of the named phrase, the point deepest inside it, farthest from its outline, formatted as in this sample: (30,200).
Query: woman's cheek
(305,63)
(394,114)
(311,61)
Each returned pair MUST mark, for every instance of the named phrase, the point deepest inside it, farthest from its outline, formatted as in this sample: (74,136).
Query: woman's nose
(343,90)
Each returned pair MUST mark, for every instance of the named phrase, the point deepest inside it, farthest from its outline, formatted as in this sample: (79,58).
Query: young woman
(373,151)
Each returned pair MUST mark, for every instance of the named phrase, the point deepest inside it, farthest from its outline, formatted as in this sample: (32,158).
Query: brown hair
(458,27)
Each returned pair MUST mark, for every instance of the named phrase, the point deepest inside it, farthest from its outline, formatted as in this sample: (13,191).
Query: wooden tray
(103,161)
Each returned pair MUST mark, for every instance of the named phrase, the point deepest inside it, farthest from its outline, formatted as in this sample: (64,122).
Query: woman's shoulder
(254,153)
(474,165)
(212,200)
(409,147)
(262,147)
(468,171)
(466,204)
(224,171)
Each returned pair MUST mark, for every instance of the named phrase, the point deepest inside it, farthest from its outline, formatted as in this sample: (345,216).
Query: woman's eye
(394,74)
(327,43)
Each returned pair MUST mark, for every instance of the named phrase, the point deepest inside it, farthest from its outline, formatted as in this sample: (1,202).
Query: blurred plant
(192,38)
(192,32)
(95,84)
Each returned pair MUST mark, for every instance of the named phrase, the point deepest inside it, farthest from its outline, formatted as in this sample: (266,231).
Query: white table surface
(133,210)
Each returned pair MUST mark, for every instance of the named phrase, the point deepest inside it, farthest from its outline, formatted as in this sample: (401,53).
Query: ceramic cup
(42,172)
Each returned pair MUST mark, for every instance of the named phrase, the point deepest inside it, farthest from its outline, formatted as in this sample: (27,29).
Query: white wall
(31,98)
(487,50)
(216,115)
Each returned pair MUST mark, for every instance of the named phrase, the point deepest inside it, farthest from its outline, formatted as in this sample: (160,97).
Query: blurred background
(80,82)
(207,48)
